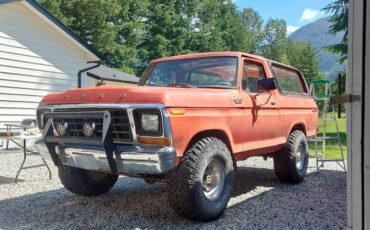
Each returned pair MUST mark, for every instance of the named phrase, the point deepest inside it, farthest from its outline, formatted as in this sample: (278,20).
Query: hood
(168,96)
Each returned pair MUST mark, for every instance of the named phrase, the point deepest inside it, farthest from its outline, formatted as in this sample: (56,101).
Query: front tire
(201,187)
(84,182)
(291,162)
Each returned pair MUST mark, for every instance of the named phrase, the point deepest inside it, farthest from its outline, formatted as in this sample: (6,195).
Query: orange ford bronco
(187,122)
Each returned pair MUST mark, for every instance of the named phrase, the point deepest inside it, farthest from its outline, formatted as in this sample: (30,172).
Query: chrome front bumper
(102,152)
(129,159)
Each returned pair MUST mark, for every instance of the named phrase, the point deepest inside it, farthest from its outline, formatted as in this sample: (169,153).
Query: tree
(302,56)
(207,34)
(54,7)
(93,21)
(253,23)
(234,33)
(218,26)
(275,40)
(166,30)
(339,22)
(130,33)
(111,26)
(131,23)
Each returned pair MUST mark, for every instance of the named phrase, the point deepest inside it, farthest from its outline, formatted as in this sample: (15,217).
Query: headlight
(150,122)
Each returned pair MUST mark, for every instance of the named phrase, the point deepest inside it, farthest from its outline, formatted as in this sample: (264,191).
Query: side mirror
(266,84)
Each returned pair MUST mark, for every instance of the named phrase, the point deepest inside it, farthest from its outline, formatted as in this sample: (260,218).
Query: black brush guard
(106,140)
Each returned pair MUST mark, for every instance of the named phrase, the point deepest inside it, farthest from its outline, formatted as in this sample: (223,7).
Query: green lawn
(332,146)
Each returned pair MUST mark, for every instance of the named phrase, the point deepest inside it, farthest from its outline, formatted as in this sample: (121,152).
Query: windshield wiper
(181,85)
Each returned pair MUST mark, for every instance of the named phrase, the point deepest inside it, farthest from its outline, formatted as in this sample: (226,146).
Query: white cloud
(311,14)
(291,29)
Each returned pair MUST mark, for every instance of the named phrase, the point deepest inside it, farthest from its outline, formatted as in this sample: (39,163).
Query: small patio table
(24,136)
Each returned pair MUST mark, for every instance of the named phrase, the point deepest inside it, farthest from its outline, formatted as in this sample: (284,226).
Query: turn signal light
(154,140)
(177,111)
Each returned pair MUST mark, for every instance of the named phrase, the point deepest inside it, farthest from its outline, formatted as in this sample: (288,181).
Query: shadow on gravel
(318,202)
(8,180)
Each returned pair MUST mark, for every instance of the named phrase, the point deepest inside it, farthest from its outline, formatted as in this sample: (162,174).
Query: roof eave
(59,26)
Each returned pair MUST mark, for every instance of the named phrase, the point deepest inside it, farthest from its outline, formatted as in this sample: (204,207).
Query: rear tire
(201,187)
(84,182)
(291,162)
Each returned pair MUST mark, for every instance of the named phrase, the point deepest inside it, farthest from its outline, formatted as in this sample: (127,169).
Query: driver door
(261,108)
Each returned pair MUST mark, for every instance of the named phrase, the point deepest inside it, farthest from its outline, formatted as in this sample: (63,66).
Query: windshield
(218,72)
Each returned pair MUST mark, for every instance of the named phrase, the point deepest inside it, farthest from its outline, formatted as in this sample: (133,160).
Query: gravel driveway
(259,201)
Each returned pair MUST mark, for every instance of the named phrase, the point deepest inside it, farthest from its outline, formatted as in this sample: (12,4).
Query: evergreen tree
(275,40)
(131,23)
(93,21)
(302,56)
(339,23)
(208,32)
(130,33)
(54,7)
(111,26)
(234,33)
(253,23)
(167,29)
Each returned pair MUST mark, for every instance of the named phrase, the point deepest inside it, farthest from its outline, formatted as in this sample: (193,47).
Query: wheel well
(299,127)
(211,133)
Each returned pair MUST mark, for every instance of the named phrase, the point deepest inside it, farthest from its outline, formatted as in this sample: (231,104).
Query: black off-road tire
(285,165)
(185,190)
(82,182)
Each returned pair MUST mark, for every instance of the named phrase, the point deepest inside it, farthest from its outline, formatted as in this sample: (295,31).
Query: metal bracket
(108,143)
(347,98)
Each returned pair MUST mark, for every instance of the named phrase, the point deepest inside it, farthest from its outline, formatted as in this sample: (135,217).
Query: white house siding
(35,60)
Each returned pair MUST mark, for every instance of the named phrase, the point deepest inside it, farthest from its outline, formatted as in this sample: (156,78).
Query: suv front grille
(120,125)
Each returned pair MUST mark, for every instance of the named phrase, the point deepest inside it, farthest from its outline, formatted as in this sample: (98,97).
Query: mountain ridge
(317,34)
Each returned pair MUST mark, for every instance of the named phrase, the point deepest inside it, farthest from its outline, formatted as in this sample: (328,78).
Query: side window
(251,73)
(289,81)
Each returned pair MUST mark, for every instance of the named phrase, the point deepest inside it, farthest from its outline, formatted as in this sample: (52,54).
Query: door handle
(273,103)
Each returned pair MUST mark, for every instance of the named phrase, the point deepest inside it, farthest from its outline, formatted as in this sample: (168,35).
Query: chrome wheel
(214,179)
(300,156)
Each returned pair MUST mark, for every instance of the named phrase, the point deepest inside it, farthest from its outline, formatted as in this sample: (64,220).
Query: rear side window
(289,81)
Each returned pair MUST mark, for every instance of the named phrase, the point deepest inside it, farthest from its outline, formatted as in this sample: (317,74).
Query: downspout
(79,75)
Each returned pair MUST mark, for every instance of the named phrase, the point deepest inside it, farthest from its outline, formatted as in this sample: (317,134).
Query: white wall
(35,60)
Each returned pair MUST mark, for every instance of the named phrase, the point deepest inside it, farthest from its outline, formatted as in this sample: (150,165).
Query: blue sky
(296,13)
